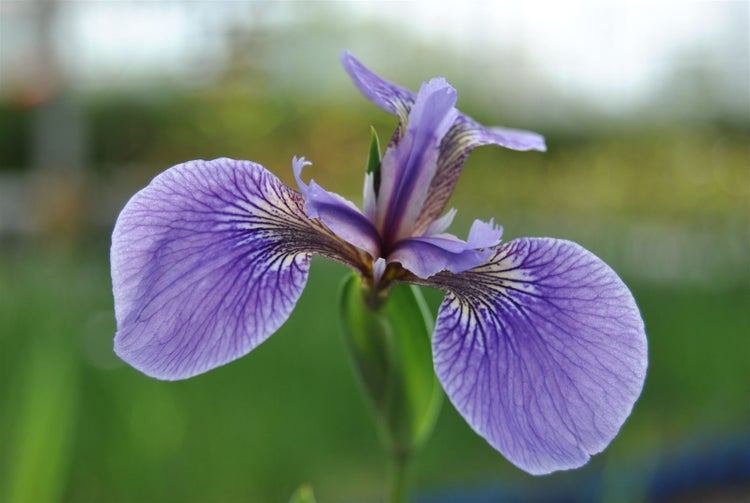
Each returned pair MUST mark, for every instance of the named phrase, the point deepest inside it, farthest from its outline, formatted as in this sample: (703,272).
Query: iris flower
(538,343)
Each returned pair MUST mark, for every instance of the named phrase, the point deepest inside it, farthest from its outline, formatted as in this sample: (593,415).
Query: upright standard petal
(390,97)
(207,262)
(465,135)
(409,166)
(542,350)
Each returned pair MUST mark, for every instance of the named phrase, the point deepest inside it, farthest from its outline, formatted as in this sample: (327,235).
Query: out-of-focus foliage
(15,126)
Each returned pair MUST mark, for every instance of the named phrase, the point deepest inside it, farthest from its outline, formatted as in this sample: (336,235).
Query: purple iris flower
(538,343)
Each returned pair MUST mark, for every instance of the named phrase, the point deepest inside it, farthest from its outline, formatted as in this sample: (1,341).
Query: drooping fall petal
(208,261)
(542,350)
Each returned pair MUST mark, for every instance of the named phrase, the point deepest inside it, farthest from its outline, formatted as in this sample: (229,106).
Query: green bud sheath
(391,352)
(374,159)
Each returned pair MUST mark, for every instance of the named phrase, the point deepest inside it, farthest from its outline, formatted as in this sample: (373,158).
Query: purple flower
(538,343)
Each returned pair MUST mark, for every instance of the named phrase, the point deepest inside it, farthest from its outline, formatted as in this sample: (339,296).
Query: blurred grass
(78,425)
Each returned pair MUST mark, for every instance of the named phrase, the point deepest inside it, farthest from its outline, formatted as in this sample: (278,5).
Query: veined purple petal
(466,135)
(542,350)
(409,166)
(208,261)
(339,214)
(390,97)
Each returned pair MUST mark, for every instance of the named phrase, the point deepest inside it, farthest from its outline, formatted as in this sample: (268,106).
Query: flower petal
(390,97)
(484,234)
(339,214)
(542,350)
(441,224)
(409,166)
(369,199)
(466,135)
(426,256)
(208,261)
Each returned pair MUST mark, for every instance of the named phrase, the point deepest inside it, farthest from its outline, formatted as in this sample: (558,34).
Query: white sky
(593,47)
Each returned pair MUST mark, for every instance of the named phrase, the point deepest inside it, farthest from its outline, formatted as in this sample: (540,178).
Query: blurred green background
(646,115)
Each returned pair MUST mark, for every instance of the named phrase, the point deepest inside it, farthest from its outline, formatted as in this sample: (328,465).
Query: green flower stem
(397,475)
(388,338)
